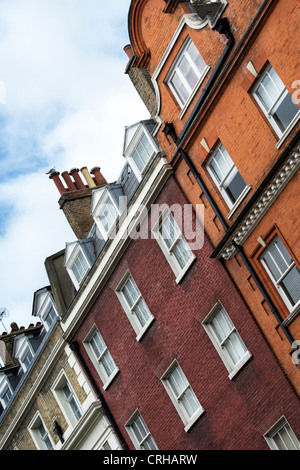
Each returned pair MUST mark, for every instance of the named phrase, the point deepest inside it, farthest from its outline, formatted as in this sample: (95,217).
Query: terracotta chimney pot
(55,177)
(100,180)
(90,181)
(68,181)
(78,181)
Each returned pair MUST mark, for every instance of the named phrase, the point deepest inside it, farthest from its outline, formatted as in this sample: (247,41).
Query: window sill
(194,418)
(240,364)
(288,130)
(185,269)
(185,107)
(111,378)
(239,201)
(145,329)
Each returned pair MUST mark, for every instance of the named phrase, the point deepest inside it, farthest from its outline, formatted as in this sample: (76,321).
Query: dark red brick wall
(238,411)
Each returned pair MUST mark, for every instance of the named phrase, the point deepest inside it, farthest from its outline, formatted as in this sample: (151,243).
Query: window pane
(142,312)
(108,214)
(190,402)
(235,186)
(221,164)
(177,381)
(196,58)
(188,73)
(182,252)
(291,284)
(130,291)
(169,230)
(97,345)
(285,111)
(222,325)
(108,363)
(180,88)
(235,347)
(277,259)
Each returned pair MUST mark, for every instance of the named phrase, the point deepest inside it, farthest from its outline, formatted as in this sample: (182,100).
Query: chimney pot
(129,51)
(55,177)
(78,181)
(90,181)
(100,180)
(68,181)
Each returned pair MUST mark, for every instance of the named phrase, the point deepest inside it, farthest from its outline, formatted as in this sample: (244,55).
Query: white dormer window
(6,392)
(108,214)
(140,147)
(23,350)
(79,257)
(107,206)
(80,267)
(44,307)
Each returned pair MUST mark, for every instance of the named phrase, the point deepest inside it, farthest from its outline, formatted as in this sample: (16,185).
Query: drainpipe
(75,348)
(265,294)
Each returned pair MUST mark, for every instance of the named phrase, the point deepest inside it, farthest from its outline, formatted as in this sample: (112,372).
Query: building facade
(47,402)
(160,326)
(224,96)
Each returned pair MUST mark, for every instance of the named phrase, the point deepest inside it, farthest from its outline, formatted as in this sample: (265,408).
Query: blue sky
(67,102)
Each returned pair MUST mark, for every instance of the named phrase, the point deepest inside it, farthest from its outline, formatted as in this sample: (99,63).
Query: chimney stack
(75,200)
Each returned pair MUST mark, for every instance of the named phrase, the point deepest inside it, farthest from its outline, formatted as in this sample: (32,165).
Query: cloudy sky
(65,101)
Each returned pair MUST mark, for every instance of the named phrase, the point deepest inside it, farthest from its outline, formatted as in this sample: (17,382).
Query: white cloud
(67,103)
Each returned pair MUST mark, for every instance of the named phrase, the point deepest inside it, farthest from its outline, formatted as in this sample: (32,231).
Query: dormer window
(26,358)
(108,204)
(108,214)
(79,258)
(6,392)
(140,147)
(44,307)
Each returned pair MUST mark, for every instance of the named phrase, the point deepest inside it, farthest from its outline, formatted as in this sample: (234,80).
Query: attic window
(140,147)
(80,267)
(78,261)
(108,214)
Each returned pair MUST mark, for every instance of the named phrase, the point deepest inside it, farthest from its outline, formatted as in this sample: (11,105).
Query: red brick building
(159,326)
(221,81)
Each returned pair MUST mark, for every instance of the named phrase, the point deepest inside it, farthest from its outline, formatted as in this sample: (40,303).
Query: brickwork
(43,400)
(232,116)
(76,206)
(237,412)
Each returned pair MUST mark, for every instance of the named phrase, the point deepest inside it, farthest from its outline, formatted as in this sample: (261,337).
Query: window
(140,434)
(226,176)
(275,101)
(101,357)
(108,214)
(6,396)
(281,437)
(186,73)
(26,358)
(40,434)
(182,395)
(80,267)
(226,339)
(50,317)
(283,272)
(67,400)
(173,244)
(71,400)
(134,305)
(143,152)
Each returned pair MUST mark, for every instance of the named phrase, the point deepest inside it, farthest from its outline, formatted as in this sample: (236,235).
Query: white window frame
(105,196)
(280,425)
(231,172)
(141,132)
(188,421)
(38,440)
(138,444)
(169,251)
(57,390)
(77,251)
(97,361)
(175,69)
(232,367)
(282,93)
(4,386)
(277,283)
(139,329)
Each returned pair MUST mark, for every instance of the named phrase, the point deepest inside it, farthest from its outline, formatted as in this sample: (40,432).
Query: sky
(64,102)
